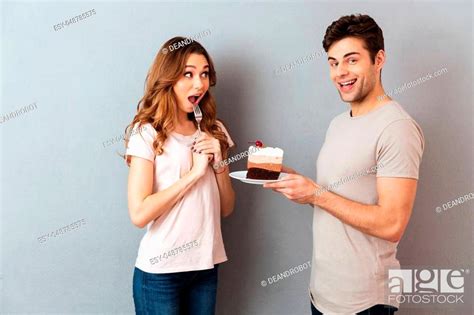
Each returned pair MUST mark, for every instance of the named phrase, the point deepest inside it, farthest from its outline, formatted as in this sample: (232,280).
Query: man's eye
(333,64)
(352,61)
(205,74)
(188,74)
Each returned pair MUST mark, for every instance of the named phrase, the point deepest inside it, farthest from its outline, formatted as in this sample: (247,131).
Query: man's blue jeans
(378,309)
(190,292)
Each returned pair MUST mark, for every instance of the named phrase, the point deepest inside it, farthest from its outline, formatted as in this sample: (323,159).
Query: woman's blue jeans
(179,293)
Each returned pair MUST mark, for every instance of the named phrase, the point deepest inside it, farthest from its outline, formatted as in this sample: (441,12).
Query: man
(367,173)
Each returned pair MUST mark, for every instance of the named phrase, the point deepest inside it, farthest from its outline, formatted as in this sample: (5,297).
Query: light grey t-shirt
(350,268)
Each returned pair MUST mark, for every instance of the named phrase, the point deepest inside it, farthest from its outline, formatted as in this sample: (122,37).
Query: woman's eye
(188,74)
(205,74)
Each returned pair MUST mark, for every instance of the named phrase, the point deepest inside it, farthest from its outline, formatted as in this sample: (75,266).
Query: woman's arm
(143,206)
(226,192)
(206,143)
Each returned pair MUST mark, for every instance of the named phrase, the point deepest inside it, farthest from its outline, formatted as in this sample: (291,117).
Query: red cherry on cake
(258,143)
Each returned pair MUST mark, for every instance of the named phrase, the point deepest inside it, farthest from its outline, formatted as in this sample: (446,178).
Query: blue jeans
(178,293)
(378,309)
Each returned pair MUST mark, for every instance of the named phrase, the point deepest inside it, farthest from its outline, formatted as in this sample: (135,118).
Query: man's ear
(380,59)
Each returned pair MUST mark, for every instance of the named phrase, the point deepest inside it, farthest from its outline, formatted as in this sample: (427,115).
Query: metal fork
(198,116)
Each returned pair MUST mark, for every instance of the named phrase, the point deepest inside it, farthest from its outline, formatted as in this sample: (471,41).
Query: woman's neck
(183,125)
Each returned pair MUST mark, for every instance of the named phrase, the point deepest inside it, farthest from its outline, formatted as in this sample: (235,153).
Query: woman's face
(193,84)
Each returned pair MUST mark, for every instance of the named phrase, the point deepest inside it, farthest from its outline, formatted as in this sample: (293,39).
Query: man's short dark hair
(359,26)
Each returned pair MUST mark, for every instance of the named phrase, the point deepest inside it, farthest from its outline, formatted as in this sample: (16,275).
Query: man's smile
(346,85)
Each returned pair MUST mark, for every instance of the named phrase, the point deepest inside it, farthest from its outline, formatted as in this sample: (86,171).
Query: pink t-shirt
(188,236)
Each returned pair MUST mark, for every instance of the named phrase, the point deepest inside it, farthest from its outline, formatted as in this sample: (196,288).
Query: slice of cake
(264,162)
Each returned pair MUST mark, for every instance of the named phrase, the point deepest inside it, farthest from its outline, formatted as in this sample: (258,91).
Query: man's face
(351,69)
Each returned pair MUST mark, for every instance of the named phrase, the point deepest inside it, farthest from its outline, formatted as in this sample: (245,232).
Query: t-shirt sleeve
(229,139)
(140,143)
(400,149)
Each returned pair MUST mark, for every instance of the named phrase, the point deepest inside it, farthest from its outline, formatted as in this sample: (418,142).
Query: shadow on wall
(241,228)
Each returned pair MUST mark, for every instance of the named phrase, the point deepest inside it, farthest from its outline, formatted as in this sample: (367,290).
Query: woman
(173,189)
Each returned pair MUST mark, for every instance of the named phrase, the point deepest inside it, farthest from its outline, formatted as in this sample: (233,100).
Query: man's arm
(387,219)
(288,170)
(399,149)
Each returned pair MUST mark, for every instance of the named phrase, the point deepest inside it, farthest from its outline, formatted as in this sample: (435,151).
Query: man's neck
(373,100)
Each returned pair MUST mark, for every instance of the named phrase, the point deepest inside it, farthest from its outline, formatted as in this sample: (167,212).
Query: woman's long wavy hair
(159,104)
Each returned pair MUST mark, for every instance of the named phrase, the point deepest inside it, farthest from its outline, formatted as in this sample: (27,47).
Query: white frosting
(267,151)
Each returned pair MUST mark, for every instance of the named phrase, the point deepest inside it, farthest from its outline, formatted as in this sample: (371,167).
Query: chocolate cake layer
(266,166)
(259,173)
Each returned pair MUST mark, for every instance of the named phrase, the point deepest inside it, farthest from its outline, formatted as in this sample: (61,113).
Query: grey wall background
(86,80)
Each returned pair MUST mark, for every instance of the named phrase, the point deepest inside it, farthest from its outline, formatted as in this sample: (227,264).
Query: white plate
(241,175)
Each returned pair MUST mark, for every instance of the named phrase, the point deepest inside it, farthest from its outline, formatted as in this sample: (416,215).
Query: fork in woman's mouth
(193,99)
